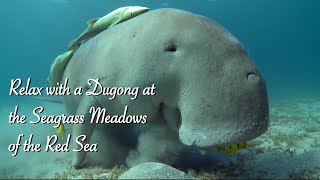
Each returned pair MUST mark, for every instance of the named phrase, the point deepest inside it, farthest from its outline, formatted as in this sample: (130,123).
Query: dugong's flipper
(58,66)
(83,129)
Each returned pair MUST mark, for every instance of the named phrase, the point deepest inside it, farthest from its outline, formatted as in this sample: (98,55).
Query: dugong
(208,91)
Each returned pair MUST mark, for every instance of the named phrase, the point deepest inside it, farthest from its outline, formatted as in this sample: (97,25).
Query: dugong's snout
(225,107)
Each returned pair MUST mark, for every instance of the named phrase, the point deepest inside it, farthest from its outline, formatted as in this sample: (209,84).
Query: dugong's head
(207,88)
(212,93)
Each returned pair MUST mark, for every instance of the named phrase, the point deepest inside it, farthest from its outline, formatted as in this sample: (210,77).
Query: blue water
(281,36)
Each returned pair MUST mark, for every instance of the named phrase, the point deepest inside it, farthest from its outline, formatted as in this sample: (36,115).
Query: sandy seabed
(289,149)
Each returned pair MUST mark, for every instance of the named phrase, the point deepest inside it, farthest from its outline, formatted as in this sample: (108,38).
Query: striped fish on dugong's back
(97,25)
(57,68)
(208,91)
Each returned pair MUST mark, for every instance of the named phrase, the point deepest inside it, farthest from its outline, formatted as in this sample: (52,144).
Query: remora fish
(97,25)
(57,68)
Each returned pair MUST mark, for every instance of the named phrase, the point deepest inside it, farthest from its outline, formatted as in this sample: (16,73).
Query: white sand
(290,148)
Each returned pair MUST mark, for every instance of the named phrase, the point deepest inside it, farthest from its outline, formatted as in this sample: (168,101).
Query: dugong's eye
(170,47)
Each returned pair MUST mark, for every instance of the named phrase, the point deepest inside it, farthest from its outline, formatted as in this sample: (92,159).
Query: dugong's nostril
(252,77)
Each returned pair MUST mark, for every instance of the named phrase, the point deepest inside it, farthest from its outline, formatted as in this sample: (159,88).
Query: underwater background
(281,37)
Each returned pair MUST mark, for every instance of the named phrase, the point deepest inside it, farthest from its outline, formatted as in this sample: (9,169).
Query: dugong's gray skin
(209,92)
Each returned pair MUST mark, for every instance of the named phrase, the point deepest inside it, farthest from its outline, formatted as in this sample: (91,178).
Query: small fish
(57,68)
(61,131)
(230,149)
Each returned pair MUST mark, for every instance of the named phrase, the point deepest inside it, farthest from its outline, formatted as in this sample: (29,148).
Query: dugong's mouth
(225,120)
(207,137)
